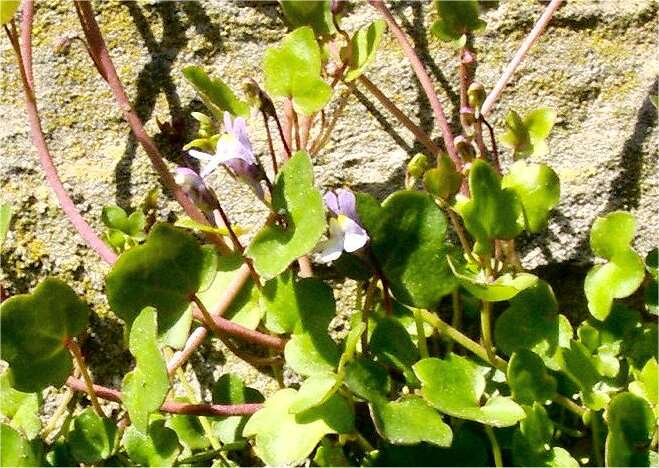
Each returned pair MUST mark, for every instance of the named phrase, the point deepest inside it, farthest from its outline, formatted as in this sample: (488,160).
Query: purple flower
(345,232)
(234,150)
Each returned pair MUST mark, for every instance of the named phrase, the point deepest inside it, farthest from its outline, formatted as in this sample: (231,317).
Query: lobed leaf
(631,427)
(156,447)
(33,331)
(314,13)
(456,18)
(527,136)
(529,379)
(217,96)
(294,197)
(362,48)
(92,438)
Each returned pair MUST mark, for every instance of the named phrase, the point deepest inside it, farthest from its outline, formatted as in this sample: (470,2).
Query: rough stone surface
(596,66)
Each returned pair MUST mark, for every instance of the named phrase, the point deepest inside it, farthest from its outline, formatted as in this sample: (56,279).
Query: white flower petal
(200,155)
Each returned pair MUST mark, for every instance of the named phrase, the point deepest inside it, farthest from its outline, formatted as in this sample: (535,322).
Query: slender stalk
(287,123)
(324,135)
(421,335)
(99,50)
(271,147)
(455,222)
(305,127)
(456,319)
(423,78)
(569,404)
(174,407)
(24,54)
(237,244)
(496,450)
(486,330)
(528,42)
(282,136)
(493,140)
(61,408)
(296,127)
(597,446)
(27,17)
(306,269)
(80,361)
(420,135)
(197,458)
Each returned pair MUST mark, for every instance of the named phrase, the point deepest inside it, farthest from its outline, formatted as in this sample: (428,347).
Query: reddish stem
(424,79)
(203,409)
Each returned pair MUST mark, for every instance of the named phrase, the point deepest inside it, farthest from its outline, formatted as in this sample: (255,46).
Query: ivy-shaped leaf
(22,409)
(312,353)
(314,13)
(610,237)
(407,238)
(156,447)
(455,387)
(367,379)
(145,388)
(34,329)
(163,273)
(294,197)
(217,96)
(532,441)
(529,379)
(631,427)
(231,390)
(538,189)
(456,18)
(503,288)
(392,345)
(527,136)
(645,384)
(92,438)
(189,430)
(16,449)
(330,454)
(361,50)
(283,438)
(7,11)
(492,212)
(292,70)
(315,391)
(577,362)
(410,421)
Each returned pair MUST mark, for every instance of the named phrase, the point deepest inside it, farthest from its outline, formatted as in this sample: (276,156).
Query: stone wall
(596,66)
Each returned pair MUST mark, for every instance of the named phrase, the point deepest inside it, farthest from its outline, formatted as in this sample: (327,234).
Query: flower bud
(467,118)
(468,57)
(443,181)
(464,147)
(476,95)
(418,165)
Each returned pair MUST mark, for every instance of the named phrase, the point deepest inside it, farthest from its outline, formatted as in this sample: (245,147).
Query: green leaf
(652,262)
(456,18)
(312,353)
(5,220)
(115,217)
(361,50)
(455,386)
(538,189)
(22,409)
(645,384)
(529,379)
(351,342)
(163,273)
(92,437)
(189,431)
(407,238)
(367,379)
(631,427)
(527,137)
(17,450)
(296,305)
(283,438)
(532,441)
(145,388)
(443,181)
(392,345)
(329,454)
(505,287)
(274,247)
(314,391)
(231,390)
(492,212)
(217,96)
(577,363)
(157,447)
(610,237)
(410,421)
(33,331)
(314,13)
(246,308)
(7,11)
(293,70)
(530,322)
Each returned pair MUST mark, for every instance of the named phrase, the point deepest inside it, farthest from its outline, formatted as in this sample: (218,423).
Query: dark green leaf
(217,96)
(361,50)
(312,353)
(367,379)
(456,17)
(631,427)
(145,388)
(92,437)
(293,70)
(163,272)
(275,247)
(314,13)
(189,431)
(230,390)
(392,345)
(577,362)
(529,379)
(157,447)
(34,328)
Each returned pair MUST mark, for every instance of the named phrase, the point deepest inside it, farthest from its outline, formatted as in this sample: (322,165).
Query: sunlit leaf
(527,136)
(577,362)
(156,447)
(217,96)
(503,288)
(92,438)
(7,11)
(17,450)
(529,379)
(631,427)
(21,409)
(362,48)
(456,18)
(294,197)
(34,329)
(314,391)
(231,390)
(314,13)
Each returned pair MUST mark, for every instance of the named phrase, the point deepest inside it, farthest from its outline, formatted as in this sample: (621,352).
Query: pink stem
(531,39)
(203,409)
(423,78)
